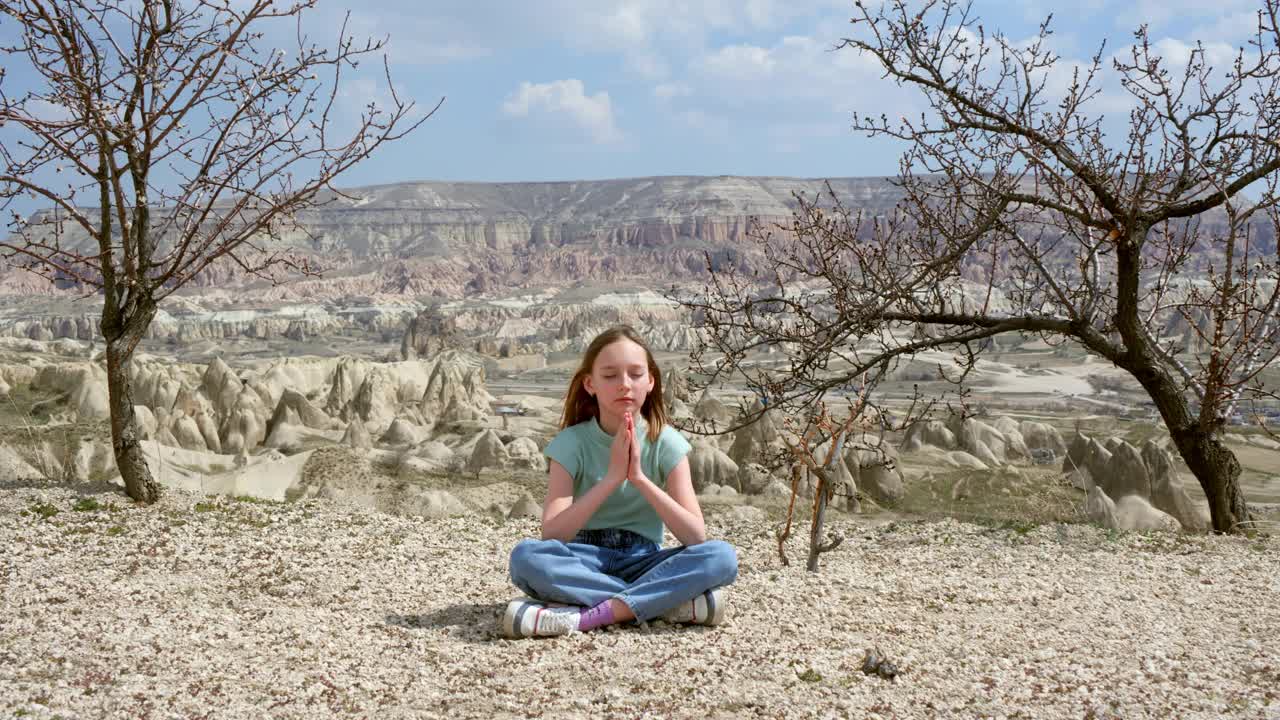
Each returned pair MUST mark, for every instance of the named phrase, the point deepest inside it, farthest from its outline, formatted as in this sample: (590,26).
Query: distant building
(506,410)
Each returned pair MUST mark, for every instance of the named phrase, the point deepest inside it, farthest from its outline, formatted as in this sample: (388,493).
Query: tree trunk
(1218,471)
(1214,466)
(820,493)
(122,338)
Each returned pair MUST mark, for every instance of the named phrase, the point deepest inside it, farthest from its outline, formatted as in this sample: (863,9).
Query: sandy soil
(217,608)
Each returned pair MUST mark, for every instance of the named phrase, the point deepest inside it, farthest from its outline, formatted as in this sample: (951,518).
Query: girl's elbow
(696,537)
(554,534)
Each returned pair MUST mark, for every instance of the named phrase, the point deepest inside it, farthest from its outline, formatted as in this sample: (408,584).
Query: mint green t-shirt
(583,450)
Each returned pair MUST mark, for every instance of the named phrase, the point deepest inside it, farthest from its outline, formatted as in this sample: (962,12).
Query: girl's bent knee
(520,553)
(722,562)
(524,557)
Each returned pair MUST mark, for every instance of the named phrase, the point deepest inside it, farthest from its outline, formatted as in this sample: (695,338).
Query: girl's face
(620,378)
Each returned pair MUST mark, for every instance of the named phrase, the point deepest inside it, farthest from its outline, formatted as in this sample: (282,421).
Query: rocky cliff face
(452,239)
(388,250)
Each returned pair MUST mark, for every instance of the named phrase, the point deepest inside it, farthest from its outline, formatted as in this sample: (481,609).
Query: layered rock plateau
(389,251)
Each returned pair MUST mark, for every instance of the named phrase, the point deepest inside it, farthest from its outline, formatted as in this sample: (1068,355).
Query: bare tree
(192,141)
(1153,248)
(820,465)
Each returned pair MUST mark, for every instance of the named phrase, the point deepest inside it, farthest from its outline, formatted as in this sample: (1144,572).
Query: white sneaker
(706,609)
(526,617)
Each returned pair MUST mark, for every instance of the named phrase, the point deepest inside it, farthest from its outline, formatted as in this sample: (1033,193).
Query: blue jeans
(598,565)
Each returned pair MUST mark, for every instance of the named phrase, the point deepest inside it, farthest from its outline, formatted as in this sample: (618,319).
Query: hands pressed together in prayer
(624,455)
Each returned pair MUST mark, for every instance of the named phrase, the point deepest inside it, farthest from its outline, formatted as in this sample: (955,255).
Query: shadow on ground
(470,622)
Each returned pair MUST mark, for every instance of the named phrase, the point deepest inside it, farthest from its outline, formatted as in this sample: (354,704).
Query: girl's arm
(678,505)
(562,518)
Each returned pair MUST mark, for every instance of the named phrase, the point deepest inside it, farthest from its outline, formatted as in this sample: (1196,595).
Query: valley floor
(213,607)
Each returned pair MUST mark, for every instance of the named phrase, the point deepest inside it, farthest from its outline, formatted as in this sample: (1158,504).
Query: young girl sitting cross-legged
(618,475)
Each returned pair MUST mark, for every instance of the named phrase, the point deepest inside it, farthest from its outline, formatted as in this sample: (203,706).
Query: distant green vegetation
(1018,498)
(44,510)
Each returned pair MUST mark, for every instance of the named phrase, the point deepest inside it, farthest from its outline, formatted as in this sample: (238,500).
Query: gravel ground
(217,608)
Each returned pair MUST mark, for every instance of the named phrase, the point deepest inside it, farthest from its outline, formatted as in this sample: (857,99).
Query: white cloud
(1129,14)
(361,91)
(644,32)
(667,91)
(1234,27)
(795,68)
(626,24)
(566,97)
(1177,54)
(647,64)
(740,62)
(413,38)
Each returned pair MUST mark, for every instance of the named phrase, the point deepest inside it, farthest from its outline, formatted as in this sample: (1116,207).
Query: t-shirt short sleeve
(563,448)
(672,446)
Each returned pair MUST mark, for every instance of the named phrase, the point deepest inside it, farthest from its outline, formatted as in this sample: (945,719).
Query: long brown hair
(580,405)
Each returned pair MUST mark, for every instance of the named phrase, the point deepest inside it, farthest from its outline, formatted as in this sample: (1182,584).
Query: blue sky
(590,89)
